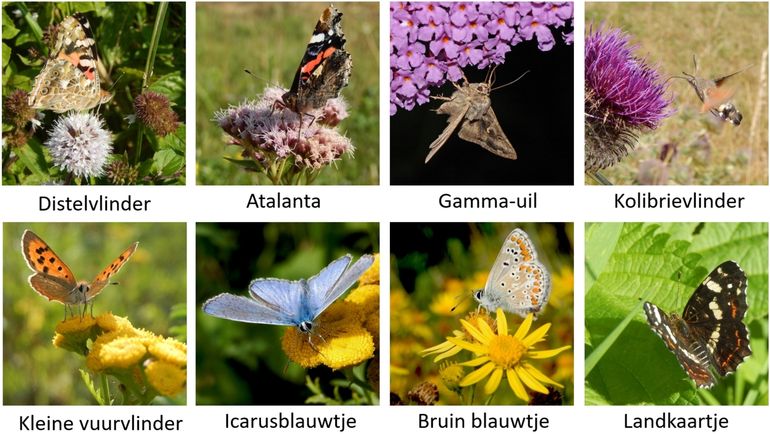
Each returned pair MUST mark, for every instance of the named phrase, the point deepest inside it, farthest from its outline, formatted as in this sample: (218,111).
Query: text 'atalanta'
(526,201)
(531,422)
(280,201)
(649,200)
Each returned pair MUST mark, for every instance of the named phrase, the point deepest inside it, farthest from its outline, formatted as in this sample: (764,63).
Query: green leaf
(167,161)
(33,158)
(172,85)
(174,141)
(6,55)
(9,29)
(246,164)
(663,264)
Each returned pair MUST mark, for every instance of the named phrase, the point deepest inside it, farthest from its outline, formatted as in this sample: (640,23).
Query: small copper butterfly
(54,280)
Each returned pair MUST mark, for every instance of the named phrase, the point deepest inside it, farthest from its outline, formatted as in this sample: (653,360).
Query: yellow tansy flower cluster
(126,352)
(346,333)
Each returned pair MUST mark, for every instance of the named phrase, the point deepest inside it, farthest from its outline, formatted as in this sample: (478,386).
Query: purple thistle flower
(432,42)
(624,95)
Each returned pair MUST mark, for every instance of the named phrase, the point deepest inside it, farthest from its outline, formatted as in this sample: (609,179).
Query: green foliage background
(241,363)
(663,264)
(269,39)
(151,293)
(123,31)
(724,37)
(430,262)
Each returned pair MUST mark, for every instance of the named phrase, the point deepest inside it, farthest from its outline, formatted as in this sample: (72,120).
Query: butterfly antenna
(461,299)
(254,75)
(508,84)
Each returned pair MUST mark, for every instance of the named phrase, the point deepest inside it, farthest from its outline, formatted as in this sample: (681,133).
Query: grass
(724,37)
(269,39)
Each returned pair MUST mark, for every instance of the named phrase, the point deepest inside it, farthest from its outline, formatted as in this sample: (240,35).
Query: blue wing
(244,309)
(329,284)
(284,297)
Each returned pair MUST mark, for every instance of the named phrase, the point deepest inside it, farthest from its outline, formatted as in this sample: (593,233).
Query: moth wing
(286,299)
(43,260)
(487,133)
(456,112)
(244,309)
(721,80)
(102,279)
(329,284)
(716,96)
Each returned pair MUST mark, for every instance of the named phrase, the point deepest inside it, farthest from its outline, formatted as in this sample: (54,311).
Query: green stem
(156,31)
(105,389)
(596,355)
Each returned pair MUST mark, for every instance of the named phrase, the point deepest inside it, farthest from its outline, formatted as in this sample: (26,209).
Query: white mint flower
(79,144)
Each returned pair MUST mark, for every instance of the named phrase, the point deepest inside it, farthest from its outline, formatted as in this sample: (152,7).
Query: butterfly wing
(103,278)
(715,314)
(69,80)
(244,309)
(52,279)
(518,282)
(284,299)
(690,354)
(331,282)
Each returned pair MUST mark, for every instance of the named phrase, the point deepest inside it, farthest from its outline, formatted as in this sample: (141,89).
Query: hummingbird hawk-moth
(471,106)
(716,95)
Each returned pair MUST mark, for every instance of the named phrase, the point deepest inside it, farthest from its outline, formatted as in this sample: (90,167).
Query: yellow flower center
(506,351)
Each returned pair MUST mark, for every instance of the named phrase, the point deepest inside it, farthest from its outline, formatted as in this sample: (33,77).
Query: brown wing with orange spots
(52,279)
(102,279)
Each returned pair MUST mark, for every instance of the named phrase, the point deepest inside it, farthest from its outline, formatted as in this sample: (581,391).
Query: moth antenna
(514,81)
(695,64)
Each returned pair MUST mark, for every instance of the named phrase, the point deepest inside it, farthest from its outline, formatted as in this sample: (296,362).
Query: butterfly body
(518,282)
(324,69)
(69,79)
(470,108)
(54,280)
(710,333)
(290,302)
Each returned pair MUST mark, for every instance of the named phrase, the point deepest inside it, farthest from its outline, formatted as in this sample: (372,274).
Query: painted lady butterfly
(324,69)
(69,80)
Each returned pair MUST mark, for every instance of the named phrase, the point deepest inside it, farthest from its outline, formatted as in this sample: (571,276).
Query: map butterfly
(710,333)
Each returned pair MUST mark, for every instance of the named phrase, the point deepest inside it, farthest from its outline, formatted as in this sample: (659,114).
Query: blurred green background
(151,286)
(724,37)
(437,266)
(269,39)
(241,363)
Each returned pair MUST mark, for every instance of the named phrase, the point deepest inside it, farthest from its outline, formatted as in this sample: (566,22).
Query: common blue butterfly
(518,282)
(290,302)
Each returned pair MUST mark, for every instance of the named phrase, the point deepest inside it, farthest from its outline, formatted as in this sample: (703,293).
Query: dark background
(535,113)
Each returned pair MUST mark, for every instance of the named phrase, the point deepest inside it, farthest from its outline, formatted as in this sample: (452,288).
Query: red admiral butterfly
(710,332)
(324,69)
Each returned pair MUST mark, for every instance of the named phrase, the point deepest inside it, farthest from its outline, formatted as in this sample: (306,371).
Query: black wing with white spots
(710,332)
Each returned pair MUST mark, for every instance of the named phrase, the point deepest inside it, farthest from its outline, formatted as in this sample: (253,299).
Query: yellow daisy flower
(500,353)
(167,378)
(448,348)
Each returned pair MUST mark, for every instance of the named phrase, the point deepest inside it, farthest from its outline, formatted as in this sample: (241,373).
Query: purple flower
(432,42)
(530,26)
(624,95)
(269,134)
